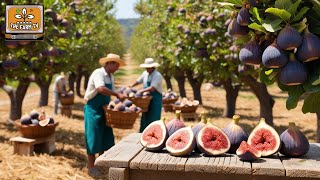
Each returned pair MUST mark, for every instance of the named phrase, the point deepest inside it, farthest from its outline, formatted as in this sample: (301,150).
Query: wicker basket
(169,101)
(120,119)
(67,100)
(36,131)
(167,107)
(142,102)
(185,109)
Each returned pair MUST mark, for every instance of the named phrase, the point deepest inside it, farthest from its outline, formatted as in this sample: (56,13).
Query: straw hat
(62,74)
(149,63)
(111,58)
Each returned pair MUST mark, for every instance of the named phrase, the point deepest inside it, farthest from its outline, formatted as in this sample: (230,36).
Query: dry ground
(69,160)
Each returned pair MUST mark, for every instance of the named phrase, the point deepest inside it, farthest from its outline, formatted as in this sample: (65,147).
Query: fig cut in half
(154,136)
(181,142)
(247,153)
(264,138)
(212,140)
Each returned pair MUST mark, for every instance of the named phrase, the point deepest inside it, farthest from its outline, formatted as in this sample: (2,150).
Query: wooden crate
(26,146)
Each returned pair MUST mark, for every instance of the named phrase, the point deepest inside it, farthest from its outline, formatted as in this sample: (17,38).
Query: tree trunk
(231,97)
(72,79)
(265,99)
(86,79)
(318,128)
(180,78)
(44,85)
(16,97)
(78,81)
(168,81)
(196,82)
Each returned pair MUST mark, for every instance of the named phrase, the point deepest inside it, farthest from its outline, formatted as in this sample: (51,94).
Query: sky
(125,9)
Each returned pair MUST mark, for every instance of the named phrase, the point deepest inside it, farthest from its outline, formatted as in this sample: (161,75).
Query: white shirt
(59,83)
(155,78)
(98,78)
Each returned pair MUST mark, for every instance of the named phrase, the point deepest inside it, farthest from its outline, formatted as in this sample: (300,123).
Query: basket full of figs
(185,105)
(141,100)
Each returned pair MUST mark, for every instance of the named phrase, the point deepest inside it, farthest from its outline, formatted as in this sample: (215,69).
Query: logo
(24,22)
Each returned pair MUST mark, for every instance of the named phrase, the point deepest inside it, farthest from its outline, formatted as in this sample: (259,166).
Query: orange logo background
(24,19)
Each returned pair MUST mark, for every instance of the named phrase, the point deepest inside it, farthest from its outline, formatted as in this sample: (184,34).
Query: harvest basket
(36,131)
(185,109)
(142,102)
(120,119)
(169,101)
(167,107)
(67,100)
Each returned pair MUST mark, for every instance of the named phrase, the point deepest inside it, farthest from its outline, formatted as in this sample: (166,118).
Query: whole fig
(235,134)
(175,124)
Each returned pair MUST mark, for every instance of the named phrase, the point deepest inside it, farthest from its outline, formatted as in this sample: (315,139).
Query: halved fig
(212,140)
(182,142)
(247,153)
(235,134)
(264,138)
(154,136)
(175,124)
(44,122)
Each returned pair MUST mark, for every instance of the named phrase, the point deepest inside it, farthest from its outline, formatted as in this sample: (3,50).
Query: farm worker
(59,87)
(98,136)
(152,82)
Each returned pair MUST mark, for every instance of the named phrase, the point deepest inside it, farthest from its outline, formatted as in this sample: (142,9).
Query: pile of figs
(133,93)
(35,118)
(185,102)
(287,51)
(169,95)
(124,106)
(209,139)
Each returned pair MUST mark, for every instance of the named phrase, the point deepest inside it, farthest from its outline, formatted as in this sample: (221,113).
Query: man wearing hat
(59,87)
(98,136)
(152,82)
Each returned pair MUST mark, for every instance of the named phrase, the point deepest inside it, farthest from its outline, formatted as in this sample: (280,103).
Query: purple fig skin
(175,124)
(289,38)
(235,134)
(310,47)
(243,17)
(294,73)
(248,156)
(251,54)
(293,142)
(197,128)
(236,30)
(274,57)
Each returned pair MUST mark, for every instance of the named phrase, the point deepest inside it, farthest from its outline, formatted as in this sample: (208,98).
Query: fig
(170,9)
(154,136)
(247,153)
(212,140)
(251,54)
(235,29)
(254,2)
(10,64)
(243,17)
(293,142)
(23,43)
(264,138)
(310,47)
(197,128)
(51,13)
(51,120)
(44,122)
(26,119)
(127,103)
(289,38)
(182,10)
(182,142)
(64,23)
(175,124)
(35,121)
(34,114)
(294,73)
(274,57)
(120,107)
(235,134)
(11,44)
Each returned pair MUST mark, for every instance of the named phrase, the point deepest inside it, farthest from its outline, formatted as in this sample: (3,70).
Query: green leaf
(257,27)
(283,4)
(312,84)
(268,72)
(311,103)
(283,14)
(47,3)
(317,82)
(272,26)
(316,4)
(293,9)
(301,13)
(267,76)
(255,13)
(301,25)
(294,94)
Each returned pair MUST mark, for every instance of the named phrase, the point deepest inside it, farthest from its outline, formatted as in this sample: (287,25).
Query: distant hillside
(128,26)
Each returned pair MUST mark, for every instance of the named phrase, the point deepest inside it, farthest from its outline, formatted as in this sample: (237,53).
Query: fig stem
(292,125)
(292,57)
(236,119)
(163,119)
(203,118)
(178,114)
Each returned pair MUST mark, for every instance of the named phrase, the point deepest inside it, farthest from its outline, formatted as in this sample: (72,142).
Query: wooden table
(128,160)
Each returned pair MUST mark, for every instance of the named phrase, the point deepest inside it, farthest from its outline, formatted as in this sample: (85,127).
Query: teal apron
(154,110)
(99,137)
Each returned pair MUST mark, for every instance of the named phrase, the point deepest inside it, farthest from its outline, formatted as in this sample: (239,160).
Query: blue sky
(125,9)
